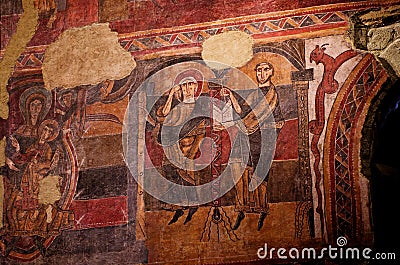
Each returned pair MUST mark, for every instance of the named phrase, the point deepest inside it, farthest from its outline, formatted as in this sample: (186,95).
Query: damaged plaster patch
(48,190)
(25,30)
(233,48)
(84,56)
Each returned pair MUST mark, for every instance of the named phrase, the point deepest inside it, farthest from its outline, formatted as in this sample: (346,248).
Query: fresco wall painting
(70,191)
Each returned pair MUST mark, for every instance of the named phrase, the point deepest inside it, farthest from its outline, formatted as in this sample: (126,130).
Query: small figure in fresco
(67,102)
(177,110)
(26,214)
(39,160)
(66,112)
(255,114)
(34,105)
(33,154)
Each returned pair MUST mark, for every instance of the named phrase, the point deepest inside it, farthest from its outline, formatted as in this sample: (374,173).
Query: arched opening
(385,169)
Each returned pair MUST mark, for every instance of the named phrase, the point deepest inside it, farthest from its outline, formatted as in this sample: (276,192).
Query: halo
(188,79)
(54,125)
(31,94)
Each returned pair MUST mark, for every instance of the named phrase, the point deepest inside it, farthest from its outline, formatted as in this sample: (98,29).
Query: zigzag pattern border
(258,29)
(139,44)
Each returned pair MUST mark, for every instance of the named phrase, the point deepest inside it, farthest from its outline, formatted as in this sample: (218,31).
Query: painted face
(46,133)
(188,90)
(264,73)
(67,99)
(35,107)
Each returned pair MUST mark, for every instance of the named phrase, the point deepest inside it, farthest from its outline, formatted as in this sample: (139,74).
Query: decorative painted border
(66,203)
(140,44)
(342,155)
(143,45)
(268,27)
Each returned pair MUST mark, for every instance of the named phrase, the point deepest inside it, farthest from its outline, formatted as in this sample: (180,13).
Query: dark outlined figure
(255,113)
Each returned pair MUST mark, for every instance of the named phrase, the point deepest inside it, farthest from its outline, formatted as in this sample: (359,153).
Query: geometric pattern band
(149,42)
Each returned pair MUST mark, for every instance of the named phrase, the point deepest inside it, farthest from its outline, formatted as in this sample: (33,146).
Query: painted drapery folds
(148,152)
(37,186)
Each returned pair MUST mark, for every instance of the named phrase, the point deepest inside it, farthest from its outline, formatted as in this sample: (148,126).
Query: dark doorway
(385,173)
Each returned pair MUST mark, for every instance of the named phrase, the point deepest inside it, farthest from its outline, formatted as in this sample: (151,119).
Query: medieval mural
(182,160)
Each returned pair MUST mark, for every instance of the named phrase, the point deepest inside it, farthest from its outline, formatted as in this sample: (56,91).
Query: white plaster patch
(48,190)
(83,56)
(232,48)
